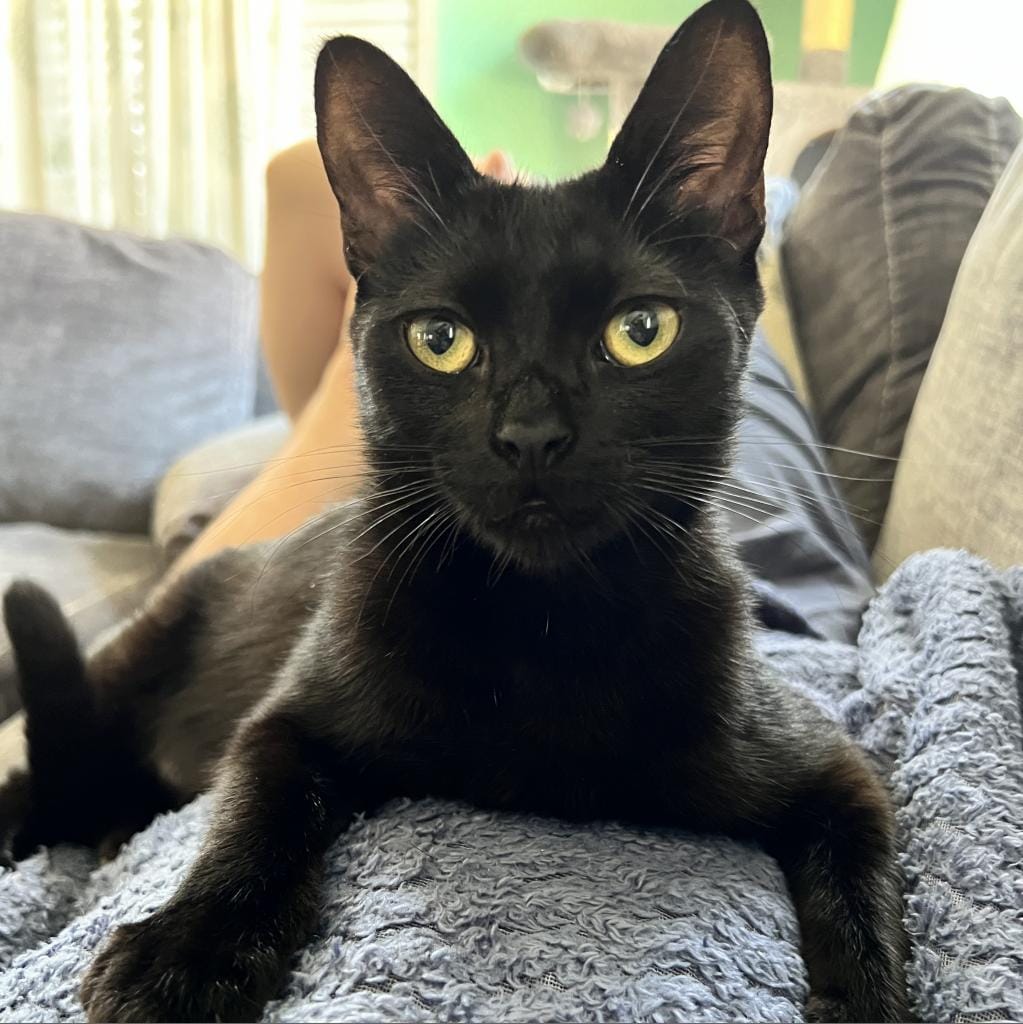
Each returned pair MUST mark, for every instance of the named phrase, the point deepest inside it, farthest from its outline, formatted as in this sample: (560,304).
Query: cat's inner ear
(696,137)
(389,157)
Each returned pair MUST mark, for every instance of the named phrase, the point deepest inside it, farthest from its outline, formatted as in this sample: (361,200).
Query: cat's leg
(826,817)
(220,948)
(836,846)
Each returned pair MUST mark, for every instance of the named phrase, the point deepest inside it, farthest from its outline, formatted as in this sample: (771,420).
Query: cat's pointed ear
(696,137)
(389,157)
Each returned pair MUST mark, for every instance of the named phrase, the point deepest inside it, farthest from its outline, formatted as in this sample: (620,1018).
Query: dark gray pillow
(870,256)
(117,353)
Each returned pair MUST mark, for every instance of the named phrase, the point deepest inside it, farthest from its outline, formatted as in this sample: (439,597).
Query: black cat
(533,607)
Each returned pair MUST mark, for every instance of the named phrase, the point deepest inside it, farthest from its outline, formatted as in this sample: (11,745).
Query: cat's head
(550,364)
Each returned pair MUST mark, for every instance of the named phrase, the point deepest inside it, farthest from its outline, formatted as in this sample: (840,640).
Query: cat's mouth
(532,515)
(542,526)
(539,534)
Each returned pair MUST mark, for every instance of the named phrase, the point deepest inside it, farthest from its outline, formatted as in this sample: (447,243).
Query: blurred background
(159,115)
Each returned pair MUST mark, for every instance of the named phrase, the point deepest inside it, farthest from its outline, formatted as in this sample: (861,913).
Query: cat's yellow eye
(641,333)
(442,344)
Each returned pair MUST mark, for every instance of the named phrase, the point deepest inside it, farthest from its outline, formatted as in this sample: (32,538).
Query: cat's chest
(548,707)
(570,736)
(554,681)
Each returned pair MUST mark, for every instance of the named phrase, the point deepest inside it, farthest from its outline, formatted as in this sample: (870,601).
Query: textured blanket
(435,911)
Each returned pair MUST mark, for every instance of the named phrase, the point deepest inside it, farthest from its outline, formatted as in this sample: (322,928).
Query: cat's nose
(535,443)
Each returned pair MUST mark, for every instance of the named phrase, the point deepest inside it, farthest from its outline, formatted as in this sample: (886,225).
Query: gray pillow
(870,256)
(117,353)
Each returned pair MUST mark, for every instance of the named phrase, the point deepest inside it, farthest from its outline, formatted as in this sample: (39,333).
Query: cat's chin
(543,560)
(539,544)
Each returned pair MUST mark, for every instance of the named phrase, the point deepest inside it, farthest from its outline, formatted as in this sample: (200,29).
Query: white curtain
(949,42)
(153,115)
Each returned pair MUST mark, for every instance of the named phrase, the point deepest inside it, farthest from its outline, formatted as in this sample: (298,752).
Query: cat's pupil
(641,325)
(439,336)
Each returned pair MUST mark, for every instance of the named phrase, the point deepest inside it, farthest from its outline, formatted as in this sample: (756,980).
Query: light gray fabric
(960,481)
(97,578)
(117,353)
(435,911)
(203,481)
(870,256)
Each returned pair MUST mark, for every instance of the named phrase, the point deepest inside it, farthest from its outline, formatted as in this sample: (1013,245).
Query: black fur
(80,755)
(558,626)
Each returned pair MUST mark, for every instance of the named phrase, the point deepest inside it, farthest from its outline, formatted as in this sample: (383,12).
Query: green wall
(870,33)
(492,100)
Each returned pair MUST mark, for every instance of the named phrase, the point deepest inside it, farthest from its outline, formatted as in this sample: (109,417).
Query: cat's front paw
(833,1009)
(827,1010)
(175,967)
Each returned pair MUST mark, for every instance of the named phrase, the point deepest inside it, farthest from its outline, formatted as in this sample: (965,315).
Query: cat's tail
(61,724)
(55,693)
(85,781)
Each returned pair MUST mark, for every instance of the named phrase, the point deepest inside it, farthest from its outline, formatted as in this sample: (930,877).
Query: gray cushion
(960,483)
(97,578)
(117,354)
(870,256)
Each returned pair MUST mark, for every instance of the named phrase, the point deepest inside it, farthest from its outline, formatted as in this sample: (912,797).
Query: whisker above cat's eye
(695,237)
(735,316)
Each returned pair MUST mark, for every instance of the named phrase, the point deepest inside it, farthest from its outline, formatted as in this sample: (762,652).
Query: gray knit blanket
(436,911)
